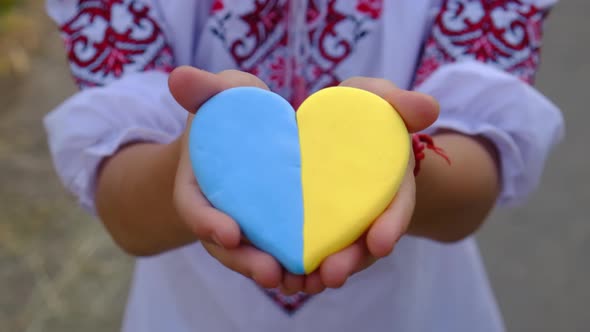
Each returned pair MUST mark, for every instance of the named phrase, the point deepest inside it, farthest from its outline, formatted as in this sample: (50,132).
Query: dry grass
(59,271)
(19,35)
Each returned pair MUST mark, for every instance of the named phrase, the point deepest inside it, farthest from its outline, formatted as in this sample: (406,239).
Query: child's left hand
(418,111)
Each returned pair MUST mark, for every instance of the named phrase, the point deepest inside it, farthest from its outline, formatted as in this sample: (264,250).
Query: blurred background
(60,272)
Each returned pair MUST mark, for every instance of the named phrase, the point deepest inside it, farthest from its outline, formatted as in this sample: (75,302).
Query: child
(119,145)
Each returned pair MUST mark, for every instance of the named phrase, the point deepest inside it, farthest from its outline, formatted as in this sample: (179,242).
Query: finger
(417,109)
(313,284)
(292,283)
(336,269)
(239,78)
(393,223)
(250,262)
(191,87)
(208,223)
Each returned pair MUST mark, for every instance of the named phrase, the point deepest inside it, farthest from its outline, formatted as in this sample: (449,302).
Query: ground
(60,272)
(58,269)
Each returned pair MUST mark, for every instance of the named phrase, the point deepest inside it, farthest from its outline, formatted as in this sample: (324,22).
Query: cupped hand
(220,234)
(418,112)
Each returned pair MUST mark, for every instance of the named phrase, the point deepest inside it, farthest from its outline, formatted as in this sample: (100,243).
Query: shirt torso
(298,47)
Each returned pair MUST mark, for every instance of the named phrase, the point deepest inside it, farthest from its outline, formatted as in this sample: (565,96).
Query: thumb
(208,223)
(191,87)
(417,109)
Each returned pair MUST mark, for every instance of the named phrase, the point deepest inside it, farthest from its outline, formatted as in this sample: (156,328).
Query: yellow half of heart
(354,154)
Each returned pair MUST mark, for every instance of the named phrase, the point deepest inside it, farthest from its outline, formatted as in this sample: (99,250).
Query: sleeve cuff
(480,100)
(95,123)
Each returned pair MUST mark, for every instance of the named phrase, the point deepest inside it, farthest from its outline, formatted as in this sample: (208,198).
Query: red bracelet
(421,142)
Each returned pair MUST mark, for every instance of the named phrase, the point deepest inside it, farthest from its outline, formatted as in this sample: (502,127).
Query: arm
(497,128)
(123,123)
(134,199)
(453,201)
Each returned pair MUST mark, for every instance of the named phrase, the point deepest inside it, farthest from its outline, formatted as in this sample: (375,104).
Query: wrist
(135,198)
(420,144)
(453,200)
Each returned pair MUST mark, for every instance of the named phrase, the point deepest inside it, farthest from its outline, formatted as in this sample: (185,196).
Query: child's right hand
(219,234)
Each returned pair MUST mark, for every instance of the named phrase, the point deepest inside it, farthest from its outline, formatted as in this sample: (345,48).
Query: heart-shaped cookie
(301,185)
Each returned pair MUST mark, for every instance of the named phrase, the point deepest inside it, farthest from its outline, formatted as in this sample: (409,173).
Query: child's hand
(418,111)
(220,235)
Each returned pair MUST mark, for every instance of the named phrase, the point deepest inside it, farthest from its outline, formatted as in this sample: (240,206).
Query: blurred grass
(59,271)
(6,6)
(19,35)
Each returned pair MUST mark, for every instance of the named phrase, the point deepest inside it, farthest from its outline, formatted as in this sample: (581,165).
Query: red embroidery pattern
(264,49)
(288,302)
(217,6)
(109,37)
(370,7)
(505,33)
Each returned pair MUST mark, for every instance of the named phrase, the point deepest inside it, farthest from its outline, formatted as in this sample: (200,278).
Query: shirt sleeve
(480,62)
(120,59)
